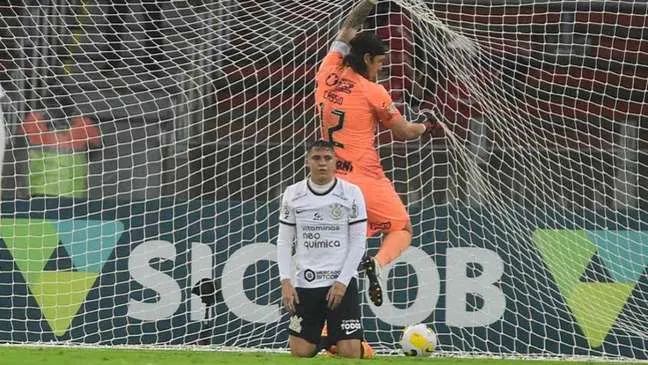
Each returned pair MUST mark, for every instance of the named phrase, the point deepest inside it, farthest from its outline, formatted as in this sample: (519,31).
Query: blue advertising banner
(107,273)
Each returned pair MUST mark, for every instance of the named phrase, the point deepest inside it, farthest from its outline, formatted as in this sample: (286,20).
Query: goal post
(147,144)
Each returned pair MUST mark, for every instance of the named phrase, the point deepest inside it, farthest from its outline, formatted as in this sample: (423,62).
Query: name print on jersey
(338,86)
(344,165)
(344,86)
(332,79)
(311,275)
(314,236)
(333,97)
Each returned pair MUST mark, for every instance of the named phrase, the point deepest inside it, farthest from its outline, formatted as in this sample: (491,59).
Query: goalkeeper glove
(430,126)
(429,120)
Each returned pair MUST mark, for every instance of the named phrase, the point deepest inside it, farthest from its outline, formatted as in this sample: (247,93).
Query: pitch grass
(94,356)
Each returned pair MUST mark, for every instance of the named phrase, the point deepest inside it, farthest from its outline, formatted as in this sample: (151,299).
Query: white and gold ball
(418,340)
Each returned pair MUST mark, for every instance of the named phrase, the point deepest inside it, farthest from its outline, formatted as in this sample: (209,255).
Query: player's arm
(390,116)
(357,239)
(354,20)
(285,239)
(402,129)
(349,29)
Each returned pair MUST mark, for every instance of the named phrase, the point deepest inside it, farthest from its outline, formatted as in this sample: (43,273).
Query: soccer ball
(418,340)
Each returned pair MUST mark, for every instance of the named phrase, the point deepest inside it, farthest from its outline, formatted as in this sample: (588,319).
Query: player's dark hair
(361,44)
(320,143)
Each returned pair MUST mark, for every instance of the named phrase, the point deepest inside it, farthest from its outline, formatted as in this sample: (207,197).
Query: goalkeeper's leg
(386,213)
(393,245)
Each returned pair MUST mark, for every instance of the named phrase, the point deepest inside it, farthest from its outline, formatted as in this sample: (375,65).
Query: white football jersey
(322,229)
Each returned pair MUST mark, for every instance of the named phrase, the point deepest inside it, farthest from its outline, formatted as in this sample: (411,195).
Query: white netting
(148,142)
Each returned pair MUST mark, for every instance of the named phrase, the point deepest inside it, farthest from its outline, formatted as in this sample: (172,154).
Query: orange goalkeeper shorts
(385,210)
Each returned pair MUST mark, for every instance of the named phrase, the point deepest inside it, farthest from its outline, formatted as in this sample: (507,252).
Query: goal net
(147,143)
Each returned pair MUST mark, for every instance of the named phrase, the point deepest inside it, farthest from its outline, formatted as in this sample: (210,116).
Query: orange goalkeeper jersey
(350,108)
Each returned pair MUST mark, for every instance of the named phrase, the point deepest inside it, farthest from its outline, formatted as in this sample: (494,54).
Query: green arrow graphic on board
(594,305)
(60,293)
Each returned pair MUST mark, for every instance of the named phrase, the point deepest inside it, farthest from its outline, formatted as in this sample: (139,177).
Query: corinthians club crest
(336,211)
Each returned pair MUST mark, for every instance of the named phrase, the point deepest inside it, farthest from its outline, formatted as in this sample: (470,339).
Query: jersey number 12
(340,124)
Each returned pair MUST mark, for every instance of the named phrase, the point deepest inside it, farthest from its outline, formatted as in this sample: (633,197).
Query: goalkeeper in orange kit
(351,105)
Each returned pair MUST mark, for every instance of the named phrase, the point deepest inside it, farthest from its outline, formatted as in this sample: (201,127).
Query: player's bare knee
(301,351)
(349,348)
(301,348)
